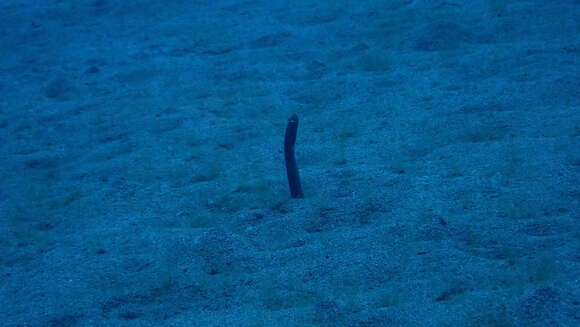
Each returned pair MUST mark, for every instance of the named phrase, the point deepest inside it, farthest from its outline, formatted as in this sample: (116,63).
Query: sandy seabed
(142,178)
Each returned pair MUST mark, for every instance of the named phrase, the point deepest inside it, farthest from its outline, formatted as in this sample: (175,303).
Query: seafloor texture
(142,178)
